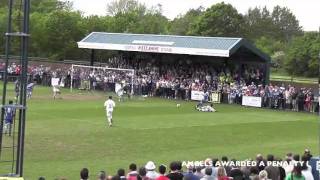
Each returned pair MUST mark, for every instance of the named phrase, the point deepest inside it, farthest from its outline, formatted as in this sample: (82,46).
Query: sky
(306,11)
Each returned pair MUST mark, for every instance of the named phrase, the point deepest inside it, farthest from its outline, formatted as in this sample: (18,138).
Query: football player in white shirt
(120,94)
(109,105)
(56,91)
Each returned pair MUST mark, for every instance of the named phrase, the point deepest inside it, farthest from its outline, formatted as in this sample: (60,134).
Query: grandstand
(220,50)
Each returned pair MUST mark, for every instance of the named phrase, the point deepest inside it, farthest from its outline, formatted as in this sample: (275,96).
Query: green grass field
(283,76)
(65,135)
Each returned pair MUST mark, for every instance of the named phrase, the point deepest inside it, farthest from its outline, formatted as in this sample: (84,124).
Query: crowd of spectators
(292,167)
(273,96)
(177,79)
(39,73)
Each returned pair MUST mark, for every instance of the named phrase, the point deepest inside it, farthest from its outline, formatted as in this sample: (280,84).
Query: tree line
(56,27)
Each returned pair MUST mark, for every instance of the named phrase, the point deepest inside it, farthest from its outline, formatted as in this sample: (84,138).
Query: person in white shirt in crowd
(288,167)
(109,105)
(151,173)
(306,169)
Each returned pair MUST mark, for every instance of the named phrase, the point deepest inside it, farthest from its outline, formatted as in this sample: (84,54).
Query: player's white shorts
(56,89)
(109,114)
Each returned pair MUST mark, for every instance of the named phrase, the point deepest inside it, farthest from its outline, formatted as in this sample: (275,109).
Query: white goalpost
(83,75)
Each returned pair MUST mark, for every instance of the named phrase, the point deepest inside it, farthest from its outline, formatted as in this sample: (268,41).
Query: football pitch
(65,135)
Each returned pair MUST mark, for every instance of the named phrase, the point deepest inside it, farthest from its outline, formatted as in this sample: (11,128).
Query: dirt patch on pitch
(83,96)
(72,96)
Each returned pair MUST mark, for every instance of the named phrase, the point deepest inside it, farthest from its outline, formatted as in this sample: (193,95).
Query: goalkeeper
(120,94)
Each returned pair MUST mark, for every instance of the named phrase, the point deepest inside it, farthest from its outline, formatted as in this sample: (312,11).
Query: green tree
(258,23)
(280,24)
(96,24)
(140,19)
(182,25)
(38,41)
(220,20)
(63,31)
(274,48)
(126,22)
(3,3)
(3,29)
(278,59)
(151,23)
(302,55)
(39,17)
(47,6)
(287,25)
(124,6)
(269,45)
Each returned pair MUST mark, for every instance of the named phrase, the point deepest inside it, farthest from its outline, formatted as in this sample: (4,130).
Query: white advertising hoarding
(251,101)
(197,95)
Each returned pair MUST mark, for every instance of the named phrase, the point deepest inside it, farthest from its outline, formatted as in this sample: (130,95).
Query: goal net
(102,78)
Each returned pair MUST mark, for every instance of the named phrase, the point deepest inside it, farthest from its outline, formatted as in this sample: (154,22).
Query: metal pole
(318,97)
(71,83)
(132,80)
(5,75)
(23,92)
(92,57)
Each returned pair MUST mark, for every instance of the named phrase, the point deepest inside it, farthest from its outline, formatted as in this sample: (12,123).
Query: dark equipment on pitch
(12,149)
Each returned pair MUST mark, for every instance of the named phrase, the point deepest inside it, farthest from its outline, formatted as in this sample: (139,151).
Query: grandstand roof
(191,45)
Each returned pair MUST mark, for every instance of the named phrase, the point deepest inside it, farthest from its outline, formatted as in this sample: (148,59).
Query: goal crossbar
(98,67)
